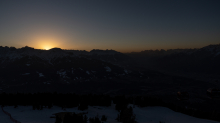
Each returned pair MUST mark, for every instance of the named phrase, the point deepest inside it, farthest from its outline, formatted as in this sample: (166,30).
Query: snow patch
(87,72)
(72,70)
(108,69)
(26,74)
(41,75)
(141,73)
(125,71)
(47,83)
(62,73)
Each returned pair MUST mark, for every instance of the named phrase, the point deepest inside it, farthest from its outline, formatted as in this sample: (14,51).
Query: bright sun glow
(46,42)
(47,48)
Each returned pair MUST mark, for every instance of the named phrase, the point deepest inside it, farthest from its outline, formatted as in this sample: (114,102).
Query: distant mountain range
(202,61)
(32,66)
(29,66)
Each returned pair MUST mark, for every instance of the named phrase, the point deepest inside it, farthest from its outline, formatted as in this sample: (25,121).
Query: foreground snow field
(4,118)
(25,114)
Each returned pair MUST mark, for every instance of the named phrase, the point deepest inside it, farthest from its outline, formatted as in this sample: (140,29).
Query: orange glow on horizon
(47,47)
(45,43)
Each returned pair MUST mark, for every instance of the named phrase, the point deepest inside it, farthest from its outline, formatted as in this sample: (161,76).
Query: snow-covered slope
(4,118)
(25,114)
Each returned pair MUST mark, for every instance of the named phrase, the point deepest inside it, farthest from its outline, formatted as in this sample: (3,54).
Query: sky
(121,25)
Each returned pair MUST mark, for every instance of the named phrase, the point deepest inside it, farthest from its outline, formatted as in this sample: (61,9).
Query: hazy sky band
(120,25)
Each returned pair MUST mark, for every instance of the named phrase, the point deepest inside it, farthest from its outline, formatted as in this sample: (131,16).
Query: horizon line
(107,49)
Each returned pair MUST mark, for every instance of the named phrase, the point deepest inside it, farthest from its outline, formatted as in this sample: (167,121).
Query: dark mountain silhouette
(199,63)
(110,72)
(29,66)
(106,71)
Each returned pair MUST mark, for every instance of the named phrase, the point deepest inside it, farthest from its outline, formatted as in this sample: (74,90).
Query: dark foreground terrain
(156,74)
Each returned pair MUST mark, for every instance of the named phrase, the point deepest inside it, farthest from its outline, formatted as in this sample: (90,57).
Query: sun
(47,45)
(47,48)
(46,42)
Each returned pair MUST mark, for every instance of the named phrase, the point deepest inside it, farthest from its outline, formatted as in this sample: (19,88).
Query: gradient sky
(122,25)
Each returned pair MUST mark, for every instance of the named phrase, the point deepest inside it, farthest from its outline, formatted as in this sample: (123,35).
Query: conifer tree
(104,118)
(58,120)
